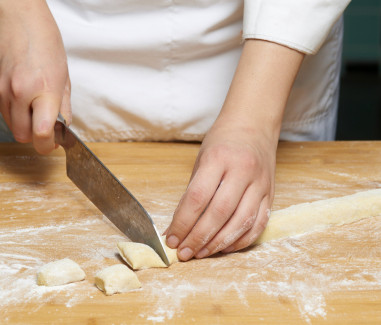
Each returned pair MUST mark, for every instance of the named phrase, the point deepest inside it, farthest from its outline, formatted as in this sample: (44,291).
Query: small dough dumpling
(117,279)
(60,272)
(171,253)
(140,256)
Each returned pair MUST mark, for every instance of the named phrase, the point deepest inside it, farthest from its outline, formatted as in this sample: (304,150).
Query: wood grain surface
(323,277)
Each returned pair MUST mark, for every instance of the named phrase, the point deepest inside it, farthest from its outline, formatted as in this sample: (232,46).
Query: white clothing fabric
(311,111)
(301,25)
(160,70)
(148,69)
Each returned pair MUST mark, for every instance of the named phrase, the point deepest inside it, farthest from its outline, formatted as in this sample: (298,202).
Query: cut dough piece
(171,253)
(60,272)
(318,215)
(140,256)
(117,279)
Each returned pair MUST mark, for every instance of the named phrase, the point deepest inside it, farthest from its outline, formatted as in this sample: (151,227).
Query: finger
(65,109)
(219,211)
(45,113)
(259,226)
(21,121)
(193,203)
(5,112)
(241,221)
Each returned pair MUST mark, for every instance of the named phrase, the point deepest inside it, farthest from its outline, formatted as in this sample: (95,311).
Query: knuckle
(214,153)
(18,87)
(180,227)
(196,196)
(218,151)
(249,161)
(267,183)
(221,209)
(198,240)
(23,84)
(41,83)
(248,223)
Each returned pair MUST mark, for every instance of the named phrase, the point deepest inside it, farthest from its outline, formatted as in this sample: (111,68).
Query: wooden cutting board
(330,277)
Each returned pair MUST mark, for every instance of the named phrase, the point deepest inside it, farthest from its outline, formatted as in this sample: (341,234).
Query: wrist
(249,127)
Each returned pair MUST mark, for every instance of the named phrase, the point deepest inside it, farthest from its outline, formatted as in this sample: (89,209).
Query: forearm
(260,88)
(11,8)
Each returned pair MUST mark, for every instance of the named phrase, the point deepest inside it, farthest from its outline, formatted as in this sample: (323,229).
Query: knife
(106,192)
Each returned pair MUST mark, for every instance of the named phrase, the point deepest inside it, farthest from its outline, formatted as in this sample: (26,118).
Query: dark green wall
(360,96)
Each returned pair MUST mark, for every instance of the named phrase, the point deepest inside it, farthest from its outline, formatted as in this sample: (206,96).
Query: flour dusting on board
(301,271)
(23,256)
(296,273)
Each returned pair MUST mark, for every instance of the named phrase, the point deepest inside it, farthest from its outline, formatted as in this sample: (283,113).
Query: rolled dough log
(140,256)
(60,272)
(116,279)
(318,215)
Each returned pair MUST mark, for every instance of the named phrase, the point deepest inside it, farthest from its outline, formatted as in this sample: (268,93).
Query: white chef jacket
(160,69)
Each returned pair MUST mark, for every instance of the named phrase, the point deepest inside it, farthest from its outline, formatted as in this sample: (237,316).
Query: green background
(360,94)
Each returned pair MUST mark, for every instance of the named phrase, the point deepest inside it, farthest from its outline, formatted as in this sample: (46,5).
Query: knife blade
(106,192)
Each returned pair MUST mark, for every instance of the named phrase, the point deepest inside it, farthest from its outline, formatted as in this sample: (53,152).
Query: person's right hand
(34,79)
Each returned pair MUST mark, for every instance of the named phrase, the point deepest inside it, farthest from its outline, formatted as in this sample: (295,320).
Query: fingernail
(185,254)
(172,241)
(202,253)
(228,250)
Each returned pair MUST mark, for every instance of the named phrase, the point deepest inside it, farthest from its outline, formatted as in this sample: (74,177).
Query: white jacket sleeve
(299,24)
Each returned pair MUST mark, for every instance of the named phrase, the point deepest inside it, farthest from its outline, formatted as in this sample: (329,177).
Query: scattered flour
(298,273)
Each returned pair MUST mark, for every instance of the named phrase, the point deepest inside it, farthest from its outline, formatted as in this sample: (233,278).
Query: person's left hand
(227,203)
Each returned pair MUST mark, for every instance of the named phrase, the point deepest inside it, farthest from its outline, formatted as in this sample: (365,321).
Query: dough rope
(318,215)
